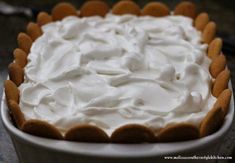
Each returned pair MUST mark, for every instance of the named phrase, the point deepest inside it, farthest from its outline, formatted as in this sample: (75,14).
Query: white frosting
(117,70)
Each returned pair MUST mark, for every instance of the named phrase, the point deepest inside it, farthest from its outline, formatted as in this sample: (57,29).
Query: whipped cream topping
(117,70)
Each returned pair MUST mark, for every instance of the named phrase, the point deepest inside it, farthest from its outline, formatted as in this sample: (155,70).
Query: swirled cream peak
(117,70)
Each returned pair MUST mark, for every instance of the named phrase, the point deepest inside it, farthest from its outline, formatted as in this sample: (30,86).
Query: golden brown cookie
(178,132)
(221,82)
(126,7)
(157,9)
(17,114)
(186,9)
(33,30)
(211,122)
(62,10)
(201,21)
(86,133)
(41,128)
(223,100)
(94,8)
(16,73)
(217,65)
(209,32)
(11,91)
(20,57)
(214,48)
(24,42)
(132,133)
(43,18)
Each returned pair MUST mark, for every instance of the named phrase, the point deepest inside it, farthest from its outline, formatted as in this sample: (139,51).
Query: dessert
(124,76)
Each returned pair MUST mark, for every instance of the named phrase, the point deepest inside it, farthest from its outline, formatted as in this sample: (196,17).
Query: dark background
(220,11)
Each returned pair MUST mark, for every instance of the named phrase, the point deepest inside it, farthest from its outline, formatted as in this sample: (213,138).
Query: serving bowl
(33,149)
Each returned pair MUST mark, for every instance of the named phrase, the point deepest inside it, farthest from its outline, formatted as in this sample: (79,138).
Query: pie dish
(30,148)
(121,76)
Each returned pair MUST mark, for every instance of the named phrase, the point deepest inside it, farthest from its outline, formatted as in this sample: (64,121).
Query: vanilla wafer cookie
(157,9)
(20,57)
(24,42)
(62,10)
(201,21)
(126,7)
(217,65)
(94,8)
(16,73)
(214,48)
(132,133)
(212,121)
(17,114)
(208,34)
(221,82)
(41,128)
(33,30)
(86,133)
(43,18)
(185,8)
(178,132)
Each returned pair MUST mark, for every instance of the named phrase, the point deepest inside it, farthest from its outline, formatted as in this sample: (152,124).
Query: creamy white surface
(117,70)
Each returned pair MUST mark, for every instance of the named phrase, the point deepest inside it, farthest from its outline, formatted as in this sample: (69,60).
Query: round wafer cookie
(178,132)
(132,133)
(43,18)
(20,57)
(86,133)
(16,73)
(221,83)
(201,21)
(214,48)
(24,42)
(62,10)
(126,7)
(94,8)
(33,30)
(157,9)
(17,114)
(41,128)
(217,65)
(186,9)
(212,121)
(11,91)
(223,100)
(209,32)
